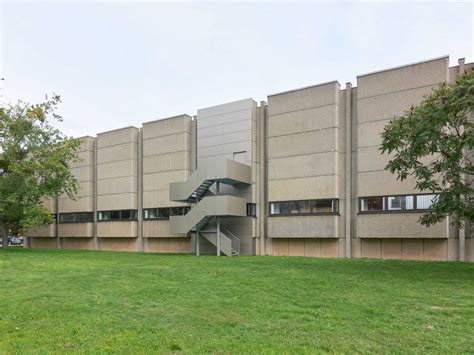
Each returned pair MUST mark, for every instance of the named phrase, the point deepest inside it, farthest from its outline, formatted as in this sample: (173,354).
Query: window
(372,204)
(118,215)
(79,217)
(424,202)
(165,212)
(399,203)
(304,207)
(251,210)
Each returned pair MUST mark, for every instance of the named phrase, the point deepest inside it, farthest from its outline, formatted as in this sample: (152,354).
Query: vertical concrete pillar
(141,242)
(261,178)
(194,143)
(58,240)
(462,230)
(348,170)
(94,183)
(218,236)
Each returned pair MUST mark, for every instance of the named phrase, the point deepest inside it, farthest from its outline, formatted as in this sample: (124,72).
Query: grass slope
(57,301)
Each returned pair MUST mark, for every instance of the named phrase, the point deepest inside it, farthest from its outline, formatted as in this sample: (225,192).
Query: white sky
(118,64)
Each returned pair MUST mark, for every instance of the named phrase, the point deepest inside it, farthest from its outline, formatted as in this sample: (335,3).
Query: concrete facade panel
(397,225)
(118,185)
(303,227)
(78,243)
(310,97)
(169,245)
(412,249)
(371,248)
(436,250)
(161,181)
(119,229)
(166,127)
(329,248)
(126,151)
(158,229)
(81,204)
(312,119)
(387,106)
(117,202)
(381,183)
(167,162)
(76,230)
(117,169)
(403,78)
(391,249)
(302,143)
(118,244)
(303,166)
(167,144)
(316,187)
(119,136)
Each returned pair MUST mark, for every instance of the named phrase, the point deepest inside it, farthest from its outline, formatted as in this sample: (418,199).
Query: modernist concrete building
(300,174)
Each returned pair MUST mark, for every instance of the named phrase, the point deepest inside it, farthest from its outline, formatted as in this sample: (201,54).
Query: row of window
(304,207)
(164,213)
(396,203)
(118,215)
(283,208)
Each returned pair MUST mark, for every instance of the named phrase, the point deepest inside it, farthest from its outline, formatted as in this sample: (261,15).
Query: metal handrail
(233,239)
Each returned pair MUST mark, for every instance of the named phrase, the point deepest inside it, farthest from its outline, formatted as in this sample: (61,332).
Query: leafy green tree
(433,142)
(34,164)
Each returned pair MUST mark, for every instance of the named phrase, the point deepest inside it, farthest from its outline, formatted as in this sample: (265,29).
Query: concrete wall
(380,97)
(117,185)
(167,158)
(303,161)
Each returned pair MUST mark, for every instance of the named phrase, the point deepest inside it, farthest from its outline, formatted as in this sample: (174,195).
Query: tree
(434,143)
(34,165)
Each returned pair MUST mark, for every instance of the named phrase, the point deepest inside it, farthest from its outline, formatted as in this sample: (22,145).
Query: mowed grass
(62,301)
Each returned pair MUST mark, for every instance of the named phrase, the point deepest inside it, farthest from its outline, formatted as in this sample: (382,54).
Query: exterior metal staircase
(210,205)
(227,172)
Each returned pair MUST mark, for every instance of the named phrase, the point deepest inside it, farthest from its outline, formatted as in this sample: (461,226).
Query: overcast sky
(118,64)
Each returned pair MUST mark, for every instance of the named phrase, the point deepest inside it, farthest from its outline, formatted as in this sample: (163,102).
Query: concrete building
(300,175)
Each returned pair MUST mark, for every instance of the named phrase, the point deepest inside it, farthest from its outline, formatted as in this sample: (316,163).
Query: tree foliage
(433,142)
(34,163)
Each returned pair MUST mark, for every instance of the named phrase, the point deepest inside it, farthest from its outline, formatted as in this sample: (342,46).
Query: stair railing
(234,239)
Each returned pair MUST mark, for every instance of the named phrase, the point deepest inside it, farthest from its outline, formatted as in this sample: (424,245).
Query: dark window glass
(251,210)
(397,203)
(372,204)
(304,207)
(165,212)
(80,217)
(117,215)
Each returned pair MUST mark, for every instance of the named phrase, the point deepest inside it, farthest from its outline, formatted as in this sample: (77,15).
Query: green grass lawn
(58,301)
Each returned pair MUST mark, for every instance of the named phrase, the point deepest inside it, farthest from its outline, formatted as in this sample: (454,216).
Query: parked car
(15,240)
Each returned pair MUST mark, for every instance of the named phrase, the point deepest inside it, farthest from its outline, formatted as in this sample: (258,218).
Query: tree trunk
(3,234)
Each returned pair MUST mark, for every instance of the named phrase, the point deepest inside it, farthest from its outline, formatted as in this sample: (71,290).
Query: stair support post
(218,224)
(197,242)
(218,236)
